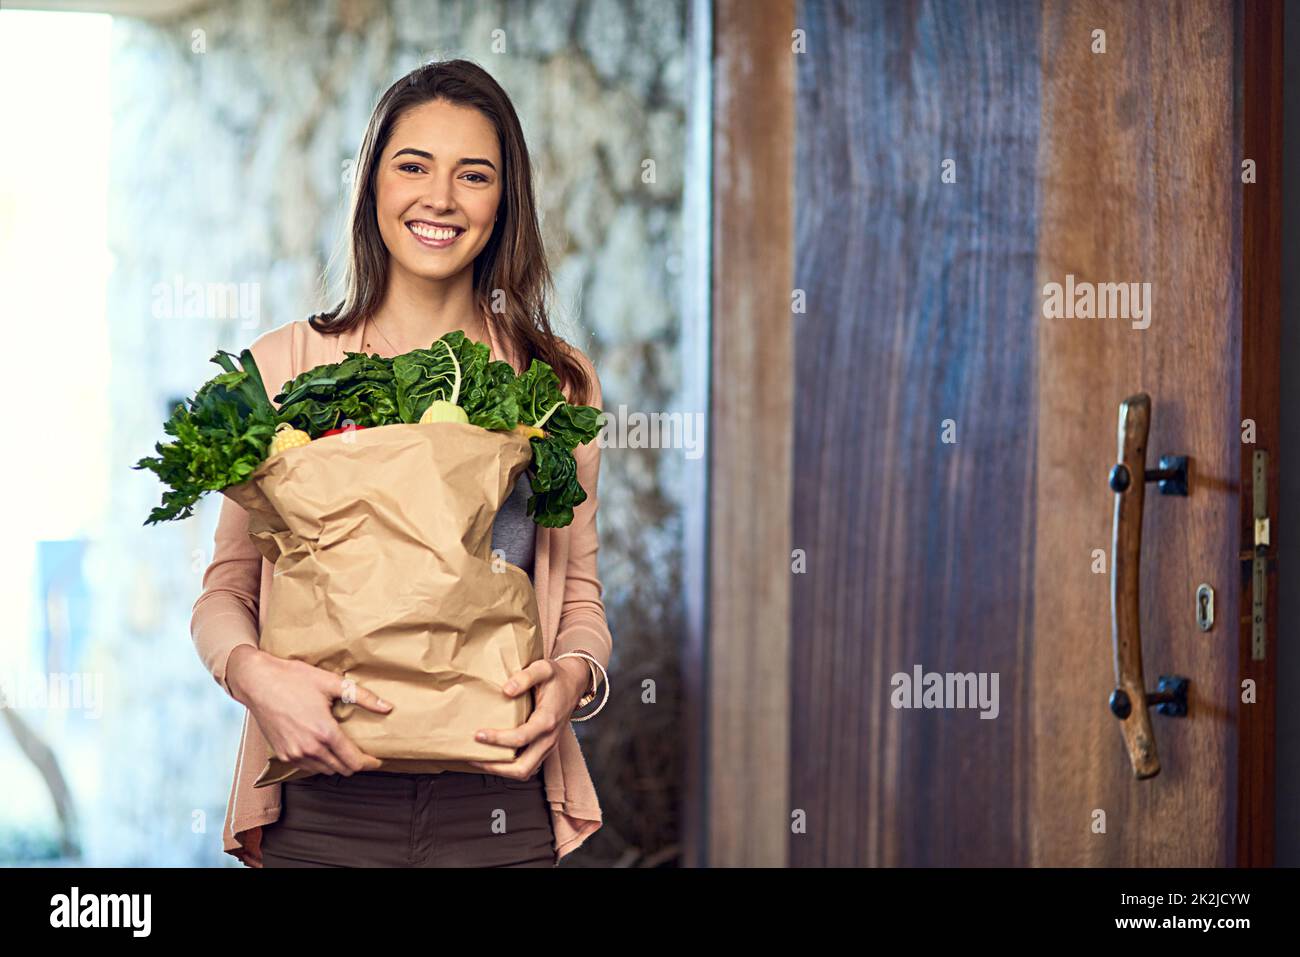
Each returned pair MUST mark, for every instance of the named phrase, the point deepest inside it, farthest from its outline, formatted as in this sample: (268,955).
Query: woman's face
(442,165)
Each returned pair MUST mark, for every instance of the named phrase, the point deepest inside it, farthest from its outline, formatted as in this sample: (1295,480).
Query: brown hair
(514,259)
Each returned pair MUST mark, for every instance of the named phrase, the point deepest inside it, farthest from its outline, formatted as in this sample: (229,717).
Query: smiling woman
(443,235)
(434,198)
(443,230)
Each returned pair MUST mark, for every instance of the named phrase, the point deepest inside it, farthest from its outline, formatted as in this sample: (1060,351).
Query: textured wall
(232,131)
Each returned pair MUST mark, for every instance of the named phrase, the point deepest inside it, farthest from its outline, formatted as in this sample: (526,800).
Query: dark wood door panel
(919,327)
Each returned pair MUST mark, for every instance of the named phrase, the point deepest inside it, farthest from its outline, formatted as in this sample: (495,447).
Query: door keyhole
(1205,607)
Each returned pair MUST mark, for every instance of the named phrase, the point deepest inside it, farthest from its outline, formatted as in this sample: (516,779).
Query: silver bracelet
(593,664)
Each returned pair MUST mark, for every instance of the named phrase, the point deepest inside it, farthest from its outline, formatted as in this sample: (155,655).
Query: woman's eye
(478,177)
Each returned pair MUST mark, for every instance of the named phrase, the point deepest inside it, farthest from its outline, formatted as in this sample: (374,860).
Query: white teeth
(430,232)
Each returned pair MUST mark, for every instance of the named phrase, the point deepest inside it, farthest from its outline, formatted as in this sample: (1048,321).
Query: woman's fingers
(530,759)
(525,764)
(348,691)
(311,757)
(349,755)
(340,750)
(543,718)
(534,674)
(321,746)
(330,751)
(537,736)
(312,750)
(291,701)
(313,765)
(538,723)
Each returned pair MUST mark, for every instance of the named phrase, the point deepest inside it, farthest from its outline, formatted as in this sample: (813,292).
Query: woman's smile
(435,237)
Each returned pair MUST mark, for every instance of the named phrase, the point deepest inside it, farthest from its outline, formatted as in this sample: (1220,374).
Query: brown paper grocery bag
(381,540)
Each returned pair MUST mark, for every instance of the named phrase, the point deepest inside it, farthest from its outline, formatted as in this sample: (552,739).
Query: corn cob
(287,437)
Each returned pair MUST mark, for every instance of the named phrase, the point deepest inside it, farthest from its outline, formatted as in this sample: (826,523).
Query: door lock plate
(1205,607)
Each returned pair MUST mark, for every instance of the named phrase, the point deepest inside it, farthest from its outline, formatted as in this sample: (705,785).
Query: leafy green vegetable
(554,472)
(538,392)
(360,388)
(220,438)
(491,402)
(495,398)
(225,433)
(427,375)
(554,481)
(574,424)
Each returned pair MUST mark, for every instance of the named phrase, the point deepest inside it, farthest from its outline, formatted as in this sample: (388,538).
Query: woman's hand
(291,700)
(560,686)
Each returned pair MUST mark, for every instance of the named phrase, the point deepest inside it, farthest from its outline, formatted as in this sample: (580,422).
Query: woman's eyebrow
(464,160)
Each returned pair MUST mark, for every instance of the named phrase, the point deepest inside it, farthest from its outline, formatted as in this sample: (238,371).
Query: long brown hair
(514,259)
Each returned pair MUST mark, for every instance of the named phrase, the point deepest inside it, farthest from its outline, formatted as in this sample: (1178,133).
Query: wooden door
(945,470)
(1140,174)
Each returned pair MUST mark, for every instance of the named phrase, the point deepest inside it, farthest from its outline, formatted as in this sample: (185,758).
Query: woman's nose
(438,196)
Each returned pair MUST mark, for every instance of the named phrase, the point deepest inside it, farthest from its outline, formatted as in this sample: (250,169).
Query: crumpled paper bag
(381,540)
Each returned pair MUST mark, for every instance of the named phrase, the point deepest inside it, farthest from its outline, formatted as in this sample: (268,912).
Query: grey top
(514,531)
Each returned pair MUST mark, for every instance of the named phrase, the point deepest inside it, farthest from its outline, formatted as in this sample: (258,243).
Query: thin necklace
(381,332)
(375,325)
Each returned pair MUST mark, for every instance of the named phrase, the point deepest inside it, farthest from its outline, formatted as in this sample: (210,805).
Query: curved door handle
(1125,587)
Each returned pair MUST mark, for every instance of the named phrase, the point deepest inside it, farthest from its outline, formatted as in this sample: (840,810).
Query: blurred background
(826,228)
(188,163)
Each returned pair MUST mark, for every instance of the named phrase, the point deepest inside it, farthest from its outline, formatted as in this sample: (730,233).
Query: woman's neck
(417,311)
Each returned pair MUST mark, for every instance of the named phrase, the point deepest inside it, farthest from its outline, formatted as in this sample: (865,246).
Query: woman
(443,235)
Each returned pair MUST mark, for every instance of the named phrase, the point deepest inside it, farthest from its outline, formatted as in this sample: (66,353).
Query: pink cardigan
(230,612)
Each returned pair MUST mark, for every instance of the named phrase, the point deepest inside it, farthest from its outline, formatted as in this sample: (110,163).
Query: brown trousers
(391,819)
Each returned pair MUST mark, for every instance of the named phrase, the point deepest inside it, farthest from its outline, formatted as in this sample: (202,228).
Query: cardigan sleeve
(225,615)
(583,626)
